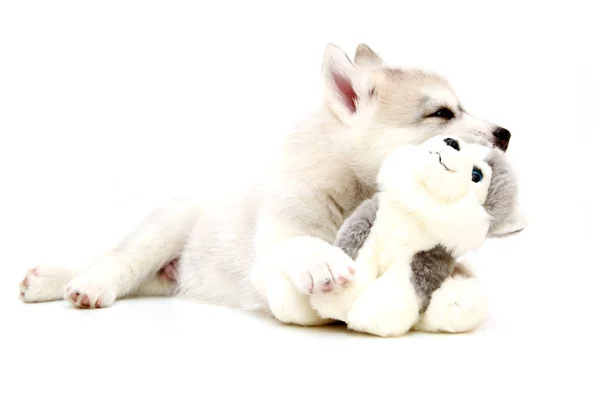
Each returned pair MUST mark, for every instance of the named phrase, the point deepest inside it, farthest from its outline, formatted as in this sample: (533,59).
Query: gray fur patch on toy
(353,233)
(502,194)
(430,269)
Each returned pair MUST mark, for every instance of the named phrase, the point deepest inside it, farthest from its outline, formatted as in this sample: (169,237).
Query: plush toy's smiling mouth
(440,160)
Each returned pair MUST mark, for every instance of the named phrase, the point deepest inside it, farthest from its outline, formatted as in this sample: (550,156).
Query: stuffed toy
(435,203)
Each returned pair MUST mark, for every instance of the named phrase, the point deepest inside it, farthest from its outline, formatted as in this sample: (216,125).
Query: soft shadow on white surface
(534,343)
(108,109)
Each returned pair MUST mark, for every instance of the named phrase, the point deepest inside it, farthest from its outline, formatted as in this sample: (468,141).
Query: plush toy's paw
(382,315)
(459,305)
(317,267)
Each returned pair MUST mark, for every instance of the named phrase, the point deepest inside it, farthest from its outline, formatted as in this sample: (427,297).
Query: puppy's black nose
(452,143)
(502,134)
(502,138)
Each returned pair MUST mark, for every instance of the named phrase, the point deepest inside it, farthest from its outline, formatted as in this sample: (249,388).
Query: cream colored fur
(269,247)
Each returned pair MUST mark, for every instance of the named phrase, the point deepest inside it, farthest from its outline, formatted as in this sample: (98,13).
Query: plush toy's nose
(452,143)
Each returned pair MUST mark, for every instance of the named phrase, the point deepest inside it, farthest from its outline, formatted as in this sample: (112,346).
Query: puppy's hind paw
(85,293)
(44,284)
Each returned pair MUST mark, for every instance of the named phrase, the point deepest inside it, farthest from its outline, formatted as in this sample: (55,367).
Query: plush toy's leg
(459,305)
(388,307)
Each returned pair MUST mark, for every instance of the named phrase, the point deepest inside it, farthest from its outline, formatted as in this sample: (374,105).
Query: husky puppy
(269,248)
(435,202)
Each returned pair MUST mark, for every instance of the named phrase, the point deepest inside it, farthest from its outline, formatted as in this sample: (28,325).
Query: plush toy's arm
(354,232)
(351,238)
(429,270)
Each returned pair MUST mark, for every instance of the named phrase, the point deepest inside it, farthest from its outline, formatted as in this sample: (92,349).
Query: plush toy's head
(452,185)
(449,169)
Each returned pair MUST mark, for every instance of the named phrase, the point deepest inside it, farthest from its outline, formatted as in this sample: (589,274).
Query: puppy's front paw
(87,292)
(317,267)
(459,305)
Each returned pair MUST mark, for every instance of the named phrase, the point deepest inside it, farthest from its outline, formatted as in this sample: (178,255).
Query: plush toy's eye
(476,175)
(444,113)
(452,143)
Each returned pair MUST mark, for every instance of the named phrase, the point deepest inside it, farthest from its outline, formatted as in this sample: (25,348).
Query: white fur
(232,252)
(459,305)
(45,283)
(417,210)
(388,307)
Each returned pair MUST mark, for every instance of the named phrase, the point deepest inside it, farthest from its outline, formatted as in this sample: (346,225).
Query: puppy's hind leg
(45,283)
(163,283)
(130,268)
(48,282)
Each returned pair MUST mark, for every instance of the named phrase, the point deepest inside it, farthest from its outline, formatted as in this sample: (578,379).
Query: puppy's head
(381,108)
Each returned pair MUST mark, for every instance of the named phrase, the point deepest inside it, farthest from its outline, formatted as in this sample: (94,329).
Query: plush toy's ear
(345,86)
(515,223)
(366,57)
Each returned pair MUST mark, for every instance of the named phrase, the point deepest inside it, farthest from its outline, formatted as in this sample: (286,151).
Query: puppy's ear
(345,86)
(366,57)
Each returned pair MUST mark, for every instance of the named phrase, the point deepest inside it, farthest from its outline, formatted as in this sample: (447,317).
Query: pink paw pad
(24,285)
(168,271)
(85,301)
(327,285)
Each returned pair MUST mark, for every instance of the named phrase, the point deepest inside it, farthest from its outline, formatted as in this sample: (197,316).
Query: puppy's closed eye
(443,113)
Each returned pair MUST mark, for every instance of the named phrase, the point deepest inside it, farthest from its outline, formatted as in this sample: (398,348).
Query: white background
(109,108)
